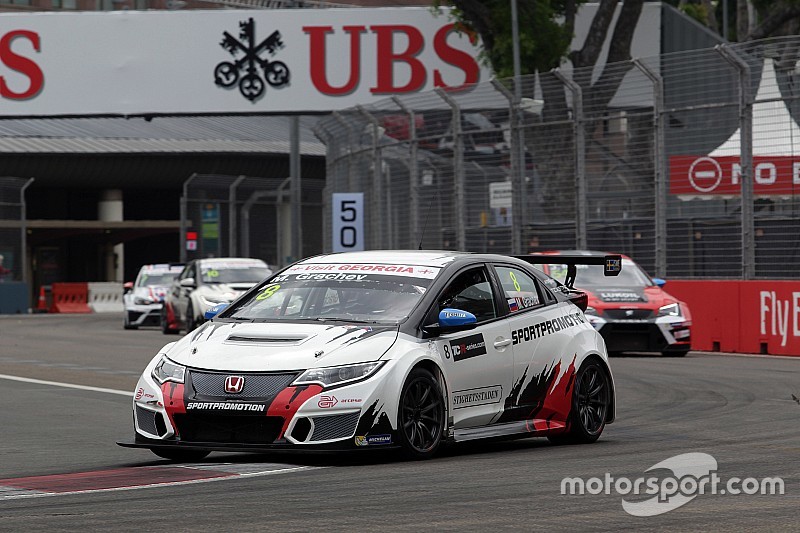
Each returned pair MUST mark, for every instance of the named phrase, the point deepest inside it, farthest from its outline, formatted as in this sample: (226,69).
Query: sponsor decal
(244,71)
(455,314)
(337,277)
(326,402)
(540,329)
(513,305)
(139,394)
(224,406)
(234,384)
(621,296)
(413,271)
(466,347)
(372,440)
(481,396)
(722,175)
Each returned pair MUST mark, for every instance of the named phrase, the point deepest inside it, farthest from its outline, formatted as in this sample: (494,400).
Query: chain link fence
(244,216)
(687,162)
(13,229)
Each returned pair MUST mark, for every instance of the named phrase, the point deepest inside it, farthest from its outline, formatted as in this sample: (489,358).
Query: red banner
(743,316)
(691,175)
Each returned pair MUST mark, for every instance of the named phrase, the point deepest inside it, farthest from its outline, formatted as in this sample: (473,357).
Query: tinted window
(470,291)
(519,288)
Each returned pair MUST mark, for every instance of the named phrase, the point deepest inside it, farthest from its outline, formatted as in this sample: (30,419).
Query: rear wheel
(591,400)
(179,455)
(165,327)
(421,415)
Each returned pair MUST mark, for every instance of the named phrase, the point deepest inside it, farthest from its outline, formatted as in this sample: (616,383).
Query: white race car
(144,297)
(382,349)
(204,283)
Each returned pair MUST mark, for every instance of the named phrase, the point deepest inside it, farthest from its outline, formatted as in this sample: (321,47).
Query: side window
(470,291)
(519,289)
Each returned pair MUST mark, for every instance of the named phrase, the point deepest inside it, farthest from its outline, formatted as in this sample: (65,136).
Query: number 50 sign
(348,222)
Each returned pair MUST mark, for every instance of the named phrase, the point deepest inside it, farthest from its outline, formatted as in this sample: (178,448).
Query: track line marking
(219,474)
(66,385)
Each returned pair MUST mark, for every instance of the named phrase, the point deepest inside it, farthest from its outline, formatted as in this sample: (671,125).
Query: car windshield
(156,279)
(593,276)
(352,293)
(233,273)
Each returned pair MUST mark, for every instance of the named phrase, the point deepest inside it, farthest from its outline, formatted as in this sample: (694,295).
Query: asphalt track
(61,471)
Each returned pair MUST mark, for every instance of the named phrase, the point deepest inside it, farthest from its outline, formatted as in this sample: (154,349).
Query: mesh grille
(146,420)
(635,314)
(256,386)
(334,427)
(230,429)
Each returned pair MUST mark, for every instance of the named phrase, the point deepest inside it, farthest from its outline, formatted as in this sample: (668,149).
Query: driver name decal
(540,329)
(481,396)
(466,347)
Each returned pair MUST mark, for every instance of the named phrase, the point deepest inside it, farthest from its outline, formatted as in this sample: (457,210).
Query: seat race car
(144,297)
(204,283)
(632,311)
(377,350)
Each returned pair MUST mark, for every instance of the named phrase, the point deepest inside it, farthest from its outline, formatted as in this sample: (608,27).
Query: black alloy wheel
(165,329)
(591,400)
(421,415)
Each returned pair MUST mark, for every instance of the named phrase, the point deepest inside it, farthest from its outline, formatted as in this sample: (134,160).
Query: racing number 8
(514,279)
(268,291)
(347,235)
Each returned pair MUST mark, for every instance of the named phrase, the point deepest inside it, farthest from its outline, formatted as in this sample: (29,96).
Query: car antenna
(427,216)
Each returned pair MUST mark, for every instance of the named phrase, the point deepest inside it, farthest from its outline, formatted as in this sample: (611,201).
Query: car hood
(224,291)
(247,347)
(650,297)
(153,292)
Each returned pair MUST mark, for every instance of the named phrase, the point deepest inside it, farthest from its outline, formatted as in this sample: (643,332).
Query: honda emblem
(234,384)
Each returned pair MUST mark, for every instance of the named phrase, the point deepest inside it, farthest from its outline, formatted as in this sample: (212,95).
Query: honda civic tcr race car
(382,349)
(144,297)
(204,283)
(631,311)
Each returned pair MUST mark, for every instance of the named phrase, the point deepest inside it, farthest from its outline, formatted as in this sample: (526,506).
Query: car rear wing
(612,264)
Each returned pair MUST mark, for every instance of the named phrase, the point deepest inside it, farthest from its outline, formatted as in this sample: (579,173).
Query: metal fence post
(184,217)
(413,169)
(296,188)
(232,245)
(331,182)
(376,202)
(660,169)
(746,156)
(23,217)
(458,170)
(581,205)
(517,176)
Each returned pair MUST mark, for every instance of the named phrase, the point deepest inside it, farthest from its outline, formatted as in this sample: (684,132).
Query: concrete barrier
(106,297)
(70,298)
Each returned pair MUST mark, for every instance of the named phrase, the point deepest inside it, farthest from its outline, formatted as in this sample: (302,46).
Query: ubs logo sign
(244,70)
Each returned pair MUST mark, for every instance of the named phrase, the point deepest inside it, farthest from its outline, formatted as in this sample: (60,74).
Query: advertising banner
(226,61)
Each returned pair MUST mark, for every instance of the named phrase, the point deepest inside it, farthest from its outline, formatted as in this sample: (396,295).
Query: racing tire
(192,321)
(165,329)
(421,415)
(128,325)
(179,455)
(591,400)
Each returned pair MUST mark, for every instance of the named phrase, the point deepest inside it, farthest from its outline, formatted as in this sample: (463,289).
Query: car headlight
(168,370)
(142,301)
(338,375)
(670,310)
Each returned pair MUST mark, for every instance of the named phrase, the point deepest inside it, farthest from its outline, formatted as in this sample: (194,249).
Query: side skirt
(507,429)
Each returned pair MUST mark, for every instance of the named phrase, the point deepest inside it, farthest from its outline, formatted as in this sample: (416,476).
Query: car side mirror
(660,282)
(188,283)
(127,287)
(451,320)
(214,311)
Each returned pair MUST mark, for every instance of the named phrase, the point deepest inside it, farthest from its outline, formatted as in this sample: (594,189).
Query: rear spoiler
(612,264)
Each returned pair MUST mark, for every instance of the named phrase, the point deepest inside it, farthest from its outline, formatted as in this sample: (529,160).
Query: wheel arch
(611,415)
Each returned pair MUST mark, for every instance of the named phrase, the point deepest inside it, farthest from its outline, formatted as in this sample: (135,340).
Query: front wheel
(591,400)
(179,455)
(421,415)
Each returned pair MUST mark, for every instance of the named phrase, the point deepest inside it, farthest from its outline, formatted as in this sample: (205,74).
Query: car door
(478,362)
(540,332)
